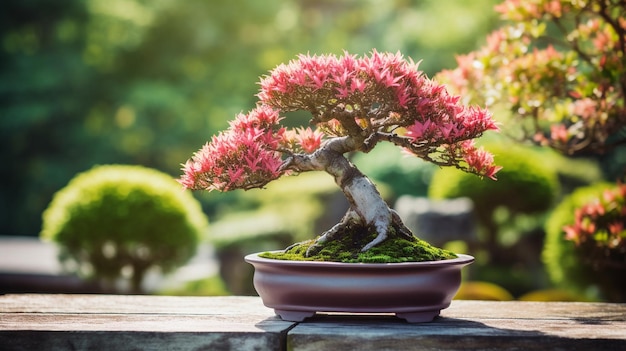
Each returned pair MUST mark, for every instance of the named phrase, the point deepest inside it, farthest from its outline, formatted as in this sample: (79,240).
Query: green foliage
(565,267)
(118,220)
(525,184)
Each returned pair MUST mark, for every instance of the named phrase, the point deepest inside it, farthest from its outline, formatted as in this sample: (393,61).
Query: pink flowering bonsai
(355,103)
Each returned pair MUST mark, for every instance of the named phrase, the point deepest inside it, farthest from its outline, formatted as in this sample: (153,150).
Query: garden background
(92,82)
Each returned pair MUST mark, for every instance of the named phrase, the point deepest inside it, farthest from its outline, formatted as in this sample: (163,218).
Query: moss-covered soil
(347,248)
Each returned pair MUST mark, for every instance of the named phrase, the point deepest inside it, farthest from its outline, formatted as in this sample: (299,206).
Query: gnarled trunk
(367,207)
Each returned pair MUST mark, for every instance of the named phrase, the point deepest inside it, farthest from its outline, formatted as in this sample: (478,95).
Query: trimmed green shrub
(119,221)
(564,265)
(525,185)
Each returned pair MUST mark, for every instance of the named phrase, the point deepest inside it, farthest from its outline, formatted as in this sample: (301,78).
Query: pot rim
(462,259)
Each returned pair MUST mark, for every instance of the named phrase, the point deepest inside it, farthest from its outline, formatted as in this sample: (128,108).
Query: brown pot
(415,291)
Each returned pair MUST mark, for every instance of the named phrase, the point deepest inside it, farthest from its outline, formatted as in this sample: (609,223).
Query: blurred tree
(146,82)
(42,94)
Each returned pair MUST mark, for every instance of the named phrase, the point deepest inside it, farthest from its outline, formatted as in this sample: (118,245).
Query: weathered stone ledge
(119,322)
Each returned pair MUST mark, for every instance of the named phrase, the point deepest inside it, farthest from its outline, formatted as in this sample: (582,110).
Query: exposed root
(399,225)
(353,220)
(350,217)
(383,230)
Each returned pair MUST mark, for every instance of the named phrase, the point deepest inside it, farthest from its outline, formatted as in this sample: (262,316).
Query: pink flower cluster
(325,81)
(479,160)
(601,222)
(445,120)
(244,156)
(383,92)
(248,154)
(304,140)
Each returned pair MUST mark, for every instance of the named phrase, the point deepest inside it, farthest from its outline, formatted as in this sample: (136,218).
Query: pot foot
(293,316)
(418,317)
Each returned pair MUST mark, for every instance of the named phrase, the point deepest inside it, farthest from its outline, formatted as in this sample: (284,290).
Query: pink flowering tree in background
(354,103)
(559,67)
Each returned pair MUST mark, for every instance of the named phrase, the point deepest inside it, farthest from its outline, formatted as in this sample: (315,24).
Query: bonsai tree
(119,221)
(354,103)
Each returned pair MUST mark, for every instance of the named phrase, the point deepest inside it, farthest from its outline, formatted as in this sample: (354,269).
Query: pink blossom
(418,129)
(572,234)
(604,214)
(480,161)
(616,227)
(559,133)
(308,139)
(585,108)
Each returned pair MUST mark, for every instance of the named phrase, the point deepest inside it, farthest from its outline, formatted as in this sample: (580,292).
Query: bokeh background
(148,82)
(90,82)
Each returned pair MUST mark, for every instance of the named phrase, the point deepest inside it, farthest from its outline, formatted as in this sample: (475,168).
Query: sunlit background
(148,82)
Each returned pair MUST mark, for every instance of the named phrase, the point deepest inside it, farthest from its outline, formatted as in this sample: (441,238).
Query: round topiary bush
(119,221)
(525,185)
(568,266)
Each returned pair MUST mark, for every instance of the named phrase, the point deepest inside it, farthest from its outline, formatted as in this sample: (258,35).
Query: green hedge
(525,184)
(118,221)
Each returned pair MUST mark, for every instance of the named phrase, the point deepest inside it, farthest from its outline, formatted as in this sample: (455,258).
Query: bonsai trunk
(367,207)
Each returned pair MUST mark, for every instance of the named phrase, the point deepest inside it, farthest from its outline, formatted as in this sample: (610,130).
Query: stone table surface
(135,322)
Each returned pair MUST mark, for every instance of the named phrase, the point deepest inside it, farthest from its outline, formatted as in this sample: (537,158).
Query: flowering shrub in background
(599,229)
(354,103)
(585,247)
(559,66)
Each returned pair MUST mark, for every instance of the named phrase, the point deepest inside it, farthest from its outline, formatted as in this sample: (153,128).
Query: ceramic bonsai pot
(415,291)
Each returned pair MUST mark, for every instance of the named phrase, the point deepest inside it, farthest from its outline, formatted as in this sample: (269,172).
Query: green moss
(347,249)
